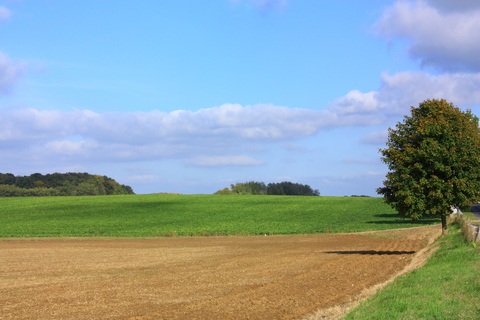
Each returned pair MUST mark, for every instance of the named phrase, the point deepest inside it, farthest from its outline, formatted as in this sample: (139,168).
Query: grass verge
(447,287)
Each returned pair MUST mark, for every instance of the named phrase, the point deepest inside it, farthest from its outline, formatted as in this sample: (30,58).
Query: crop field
(258,277)
(174,256)
(194,215)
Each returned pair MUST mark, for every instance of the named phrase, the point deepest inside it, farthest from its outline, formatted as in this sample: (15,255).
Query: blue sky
(190,96)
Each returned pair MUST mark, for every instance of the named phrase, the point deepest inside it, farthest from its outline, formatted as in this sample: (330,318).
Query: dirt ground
(266,277)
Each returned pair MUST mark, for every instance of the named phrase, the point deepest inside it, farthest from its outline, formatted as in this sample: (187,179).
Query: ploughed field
(257,277)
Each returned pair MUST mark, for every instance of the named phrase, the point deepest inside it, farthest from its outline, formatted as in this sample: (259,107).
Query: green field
(193,215)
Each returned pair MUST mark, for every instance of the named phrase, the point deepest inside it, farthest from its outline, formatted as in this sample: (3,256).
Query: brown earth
(268,277)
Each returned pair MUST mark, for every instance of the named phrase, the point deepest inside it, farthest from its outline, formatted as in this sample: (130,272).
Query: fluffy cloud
(10,72)
(409,88)
(404,89)
(220,131)
(443,34)
(357,102)
(226,123)
(208,137)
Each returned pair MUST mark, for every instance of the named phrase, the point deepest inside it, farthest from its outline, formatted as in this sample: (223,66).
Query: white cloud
(216,126)
(135,136)
(67,147)
(443,34)
(219,161)
(204,136)
(10,72)
(404,89)
(410,88)
(207,135)
(356,102)
(5,14)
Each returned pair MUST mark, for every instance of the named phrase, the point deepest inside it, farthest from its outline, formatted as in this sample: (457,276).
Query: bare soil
(267,277)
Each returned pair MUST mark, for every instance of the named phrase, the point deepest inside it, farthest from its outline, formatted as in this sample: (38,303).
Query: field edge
(419,259)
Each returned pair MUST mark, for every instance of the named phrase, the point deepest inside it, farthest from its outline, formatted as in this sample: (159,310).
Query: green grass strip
(192,215)
(447,287)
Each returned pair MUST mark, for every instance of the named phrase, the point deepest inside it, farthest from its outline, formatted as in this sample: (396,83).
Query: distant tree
(25,182)
(291,189)
(127,189)
(251,187)
(67,184)
(224,191)
(87,189)
(39,184)
(108,185)
(9,190)
(7,178)
(259,188)
(433,158)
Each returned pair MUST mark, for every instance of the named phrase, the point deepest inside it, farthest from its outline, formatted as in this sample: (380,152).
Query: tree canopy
(260,188)
(433,158)
(60,184)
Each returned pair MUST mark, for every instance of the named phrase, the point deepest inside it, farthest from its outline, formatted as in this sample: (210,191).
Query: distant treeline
(259,188)
(60,184)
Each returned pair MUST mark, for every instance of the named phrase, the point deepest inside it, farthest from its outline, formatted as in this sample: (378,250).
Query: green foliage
(251,187)
(259,188)
(291,189)
(187,215)
(224,191)
(8,190)
(447,287)
(433,161)
(58,184)
(7,178)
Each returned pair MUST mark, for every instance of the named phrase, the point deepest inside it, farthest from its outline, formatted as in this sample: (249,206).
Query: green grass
(470,215)
(447,287)
(187,215)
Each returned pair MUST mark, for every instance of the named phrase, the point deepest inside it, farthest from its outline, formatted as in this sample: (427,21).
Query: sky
(190,96)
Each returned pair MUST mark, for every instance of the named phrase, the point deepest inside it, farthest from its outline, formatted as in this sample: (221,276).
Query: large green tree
(434,161)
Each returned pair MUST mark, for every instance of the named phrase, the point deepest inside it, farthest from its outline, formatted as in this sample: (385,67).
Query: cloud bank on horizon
(175,151)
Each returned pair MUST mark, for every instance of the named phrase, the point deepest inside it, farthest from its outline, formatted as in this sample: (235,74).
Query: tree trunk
(444,225)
